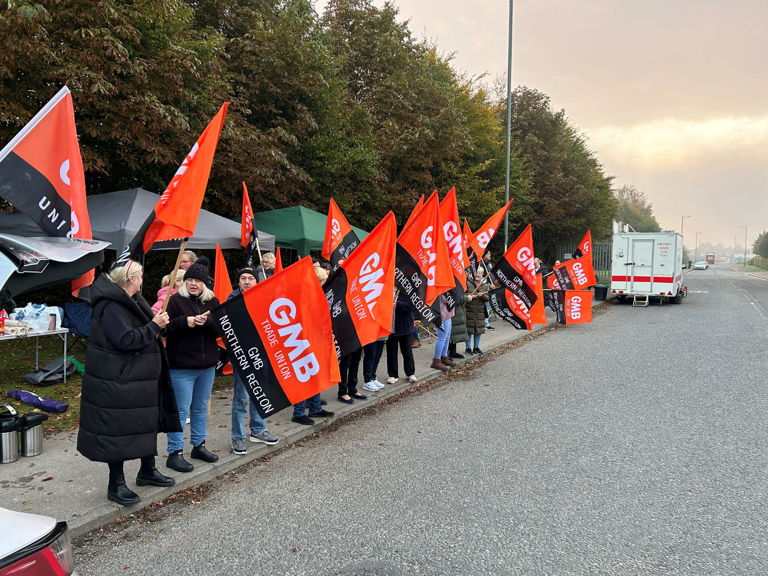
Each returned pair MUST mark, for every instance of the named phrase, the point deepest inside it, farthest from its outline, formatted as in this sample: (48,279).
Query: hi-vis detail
(360,293)
(278,338)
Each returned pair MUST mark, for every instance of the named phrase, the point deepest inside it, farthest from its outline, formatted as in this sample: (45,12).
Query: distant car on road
(700,265)
(32,544)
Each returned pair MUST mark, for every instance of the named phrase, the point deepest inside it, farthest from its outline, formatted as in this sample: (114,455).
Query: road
(635,445)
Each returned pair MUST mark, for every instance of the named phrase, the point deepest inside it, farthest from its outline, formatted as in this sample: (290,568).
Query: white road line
(759,308)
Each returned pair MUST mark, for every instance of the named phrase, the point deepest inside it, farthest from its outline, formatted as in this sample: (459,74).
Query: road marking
(759,308)
(698,291)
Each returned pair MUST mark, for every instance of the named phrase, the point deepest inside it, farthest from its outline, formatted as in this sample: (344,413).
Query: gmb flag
(360,294)
(575,274)
(516,270)
(585,247)
(510,308)
(340,240)
(486,232)
(279,339)
(422,264)
(572,306)
(249,236)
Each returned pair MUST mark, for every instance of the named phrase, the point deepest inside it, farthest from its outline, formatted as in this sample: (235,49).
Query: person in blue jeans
(240,398)
(192,356)
(441,361)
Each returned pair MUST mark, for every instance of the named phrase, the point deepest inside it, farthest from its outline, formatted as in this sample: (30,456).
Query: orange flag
(538,314)
(585,248)
(486,232)
(222,287)
(278,261)
(175,214)
(339,239)
(575,274)
(279,338)
(416,210)
(449,213)
(572,306)
(516,270)
(361,292)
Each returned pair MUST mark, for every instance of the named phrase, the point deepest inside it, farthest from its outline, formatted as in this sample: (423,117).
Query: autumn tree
(635,209)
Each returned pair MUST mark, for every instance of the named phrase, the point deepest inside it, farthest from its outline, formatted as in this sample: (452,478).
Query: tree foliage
(760,246)
(635,209)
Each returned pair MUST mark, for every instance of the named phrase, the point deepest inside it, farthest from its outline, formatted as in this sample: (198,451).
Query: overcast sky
(672,94)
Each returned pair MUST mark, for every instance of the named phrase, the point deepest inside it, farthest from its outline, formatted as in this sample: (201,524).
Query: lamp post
(745,245)
(682,222)
(696,253)
(509,122)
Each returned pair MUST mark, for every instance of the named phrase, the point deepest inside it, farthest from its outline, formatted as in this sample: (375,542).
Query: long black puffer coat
(127,394)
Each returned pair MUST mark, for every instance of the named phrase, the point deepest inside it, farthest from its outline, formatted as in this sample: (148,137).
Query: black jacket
(403,316)
(191,348)
(127,395)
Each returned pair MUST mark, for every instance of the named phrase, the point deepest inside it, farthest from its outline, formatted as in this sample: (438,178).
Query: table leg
(65,358)
(37,341)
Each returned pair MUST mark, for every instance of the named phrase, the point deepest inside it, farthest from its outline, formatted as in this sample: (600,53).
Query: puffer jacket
(127,396)
(476,308)
(191,348)
(459,325)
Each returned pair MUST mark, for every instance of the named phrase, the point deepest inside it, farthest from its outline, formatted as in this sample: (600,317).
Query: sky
(671,94)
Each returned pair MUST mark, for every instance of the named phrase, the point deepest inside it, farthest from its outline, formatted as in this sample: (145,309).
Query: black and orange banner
(510,308)
(585,247)
(575,274)
(454,239)
(340,240)
(222,288)
(279,338)
(572,306)
(41,174)
(175,214)
(487,231)
(360,294)
(516,270)
(422,264)
(414,212)
(249,236)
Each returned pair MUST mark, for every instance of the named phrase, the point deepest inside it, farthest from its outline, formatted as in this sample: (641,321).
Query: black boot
(201,453)
(150,476)
(176,462)
(117,491)
(452,352)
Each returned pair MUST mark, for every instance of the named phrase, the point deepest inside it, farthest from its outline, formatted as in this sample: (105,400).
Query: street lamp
(745,245)
(696,253)
(682,221)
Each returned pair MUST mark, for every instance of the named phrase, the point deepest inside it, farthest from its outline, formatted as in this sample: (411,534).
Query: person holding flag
(240,398)
(477,299)
(267,267)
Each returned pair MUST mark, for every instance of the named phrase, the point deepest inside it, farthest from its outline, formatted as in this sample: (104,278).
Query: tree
(760,246)
(635,210)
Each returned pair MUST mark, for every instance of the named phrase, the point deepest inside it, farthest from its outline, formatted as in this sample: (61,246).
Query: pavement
(65,485)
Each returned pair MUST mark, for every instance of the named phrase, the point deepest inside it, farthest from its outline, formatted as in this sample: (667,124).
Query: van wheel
(679,297)
(620,298)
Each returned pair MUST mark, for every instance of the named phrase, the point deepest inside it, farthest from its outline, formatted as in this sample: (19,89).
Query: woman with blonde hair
(187,259)
(162,294)
(127,396)
(267,267)
(192,357)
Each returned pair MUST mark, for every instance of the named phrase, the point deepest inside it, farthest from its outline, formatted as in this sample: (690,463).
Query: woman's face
(179,281)
(478,278)
(194,286)
(268,264)
(185,262)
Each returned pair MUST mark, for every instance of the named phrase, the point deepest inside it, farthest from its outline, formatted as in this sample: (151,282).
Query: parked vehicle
(710,257)
(32,545)
(647,264)
(700,265)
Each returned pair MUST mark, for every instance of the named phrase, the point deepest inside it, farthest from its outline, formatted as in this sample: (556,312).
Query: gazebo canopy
(297,228)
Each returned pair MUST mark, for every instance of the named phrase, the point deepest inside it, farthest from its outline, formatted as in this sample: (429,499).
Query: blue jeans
(193,390)
(443,339)
(488,313)
(240,400)
(415,332)
(300,409)
(371,356)
(477,340)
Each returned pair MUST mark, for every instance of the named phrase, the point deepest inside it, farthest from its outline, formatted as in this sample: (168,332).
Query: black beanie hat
(198,272)
(247,270)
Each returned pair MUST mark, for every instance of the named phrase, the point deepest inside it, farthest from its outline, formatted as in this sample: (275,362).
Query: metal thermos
(9,435)
(31,428)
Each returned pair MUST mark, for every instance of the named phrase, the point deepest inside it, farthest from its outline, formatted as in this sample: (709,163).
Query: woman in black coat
(127,396)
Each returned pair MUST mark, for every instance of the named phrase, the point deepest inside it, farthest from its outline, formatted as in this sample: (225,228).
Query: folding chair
(77,318)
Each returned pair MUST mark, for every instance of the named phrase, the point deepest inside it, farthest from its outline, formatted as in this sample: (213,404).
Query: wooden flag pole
(173,276)
(258,249)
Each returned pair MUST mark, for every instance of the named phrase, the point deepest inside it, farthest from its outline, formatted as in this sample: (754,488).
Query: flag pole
(173,275)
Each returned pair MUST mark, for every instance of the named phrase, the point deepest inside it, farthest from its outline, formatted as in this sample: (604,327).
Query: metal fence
(601,259)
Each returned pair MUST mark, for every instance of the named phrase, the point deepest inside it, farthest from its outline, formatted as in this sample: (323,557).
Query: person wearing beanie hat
(192,356)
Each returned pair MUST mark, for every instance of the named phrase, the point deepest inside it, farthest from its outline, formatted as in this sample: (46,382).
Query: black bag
(51,373)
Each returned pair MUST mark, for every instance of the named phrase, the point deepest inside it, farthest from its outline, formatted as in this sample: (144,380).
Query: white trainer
(370,386)
(412,378)
(377,383)
(391,380)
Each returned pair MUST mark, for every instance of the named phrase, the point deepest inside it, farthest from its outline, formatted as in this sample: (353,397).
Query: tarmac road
(632,445)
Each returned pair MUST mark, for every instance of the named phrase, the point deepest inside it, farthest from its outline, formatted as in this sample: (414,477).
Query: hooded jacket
(191,348)
(127,396)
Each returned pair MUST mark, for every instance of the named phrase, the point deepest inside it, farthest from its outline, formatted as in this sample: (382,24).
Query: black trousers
(349,366)
(404,342)
(147,465)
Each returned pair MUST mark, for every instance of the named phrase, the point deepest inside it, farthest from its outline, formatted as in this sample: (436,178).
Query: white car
(700,265)
(32,544)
